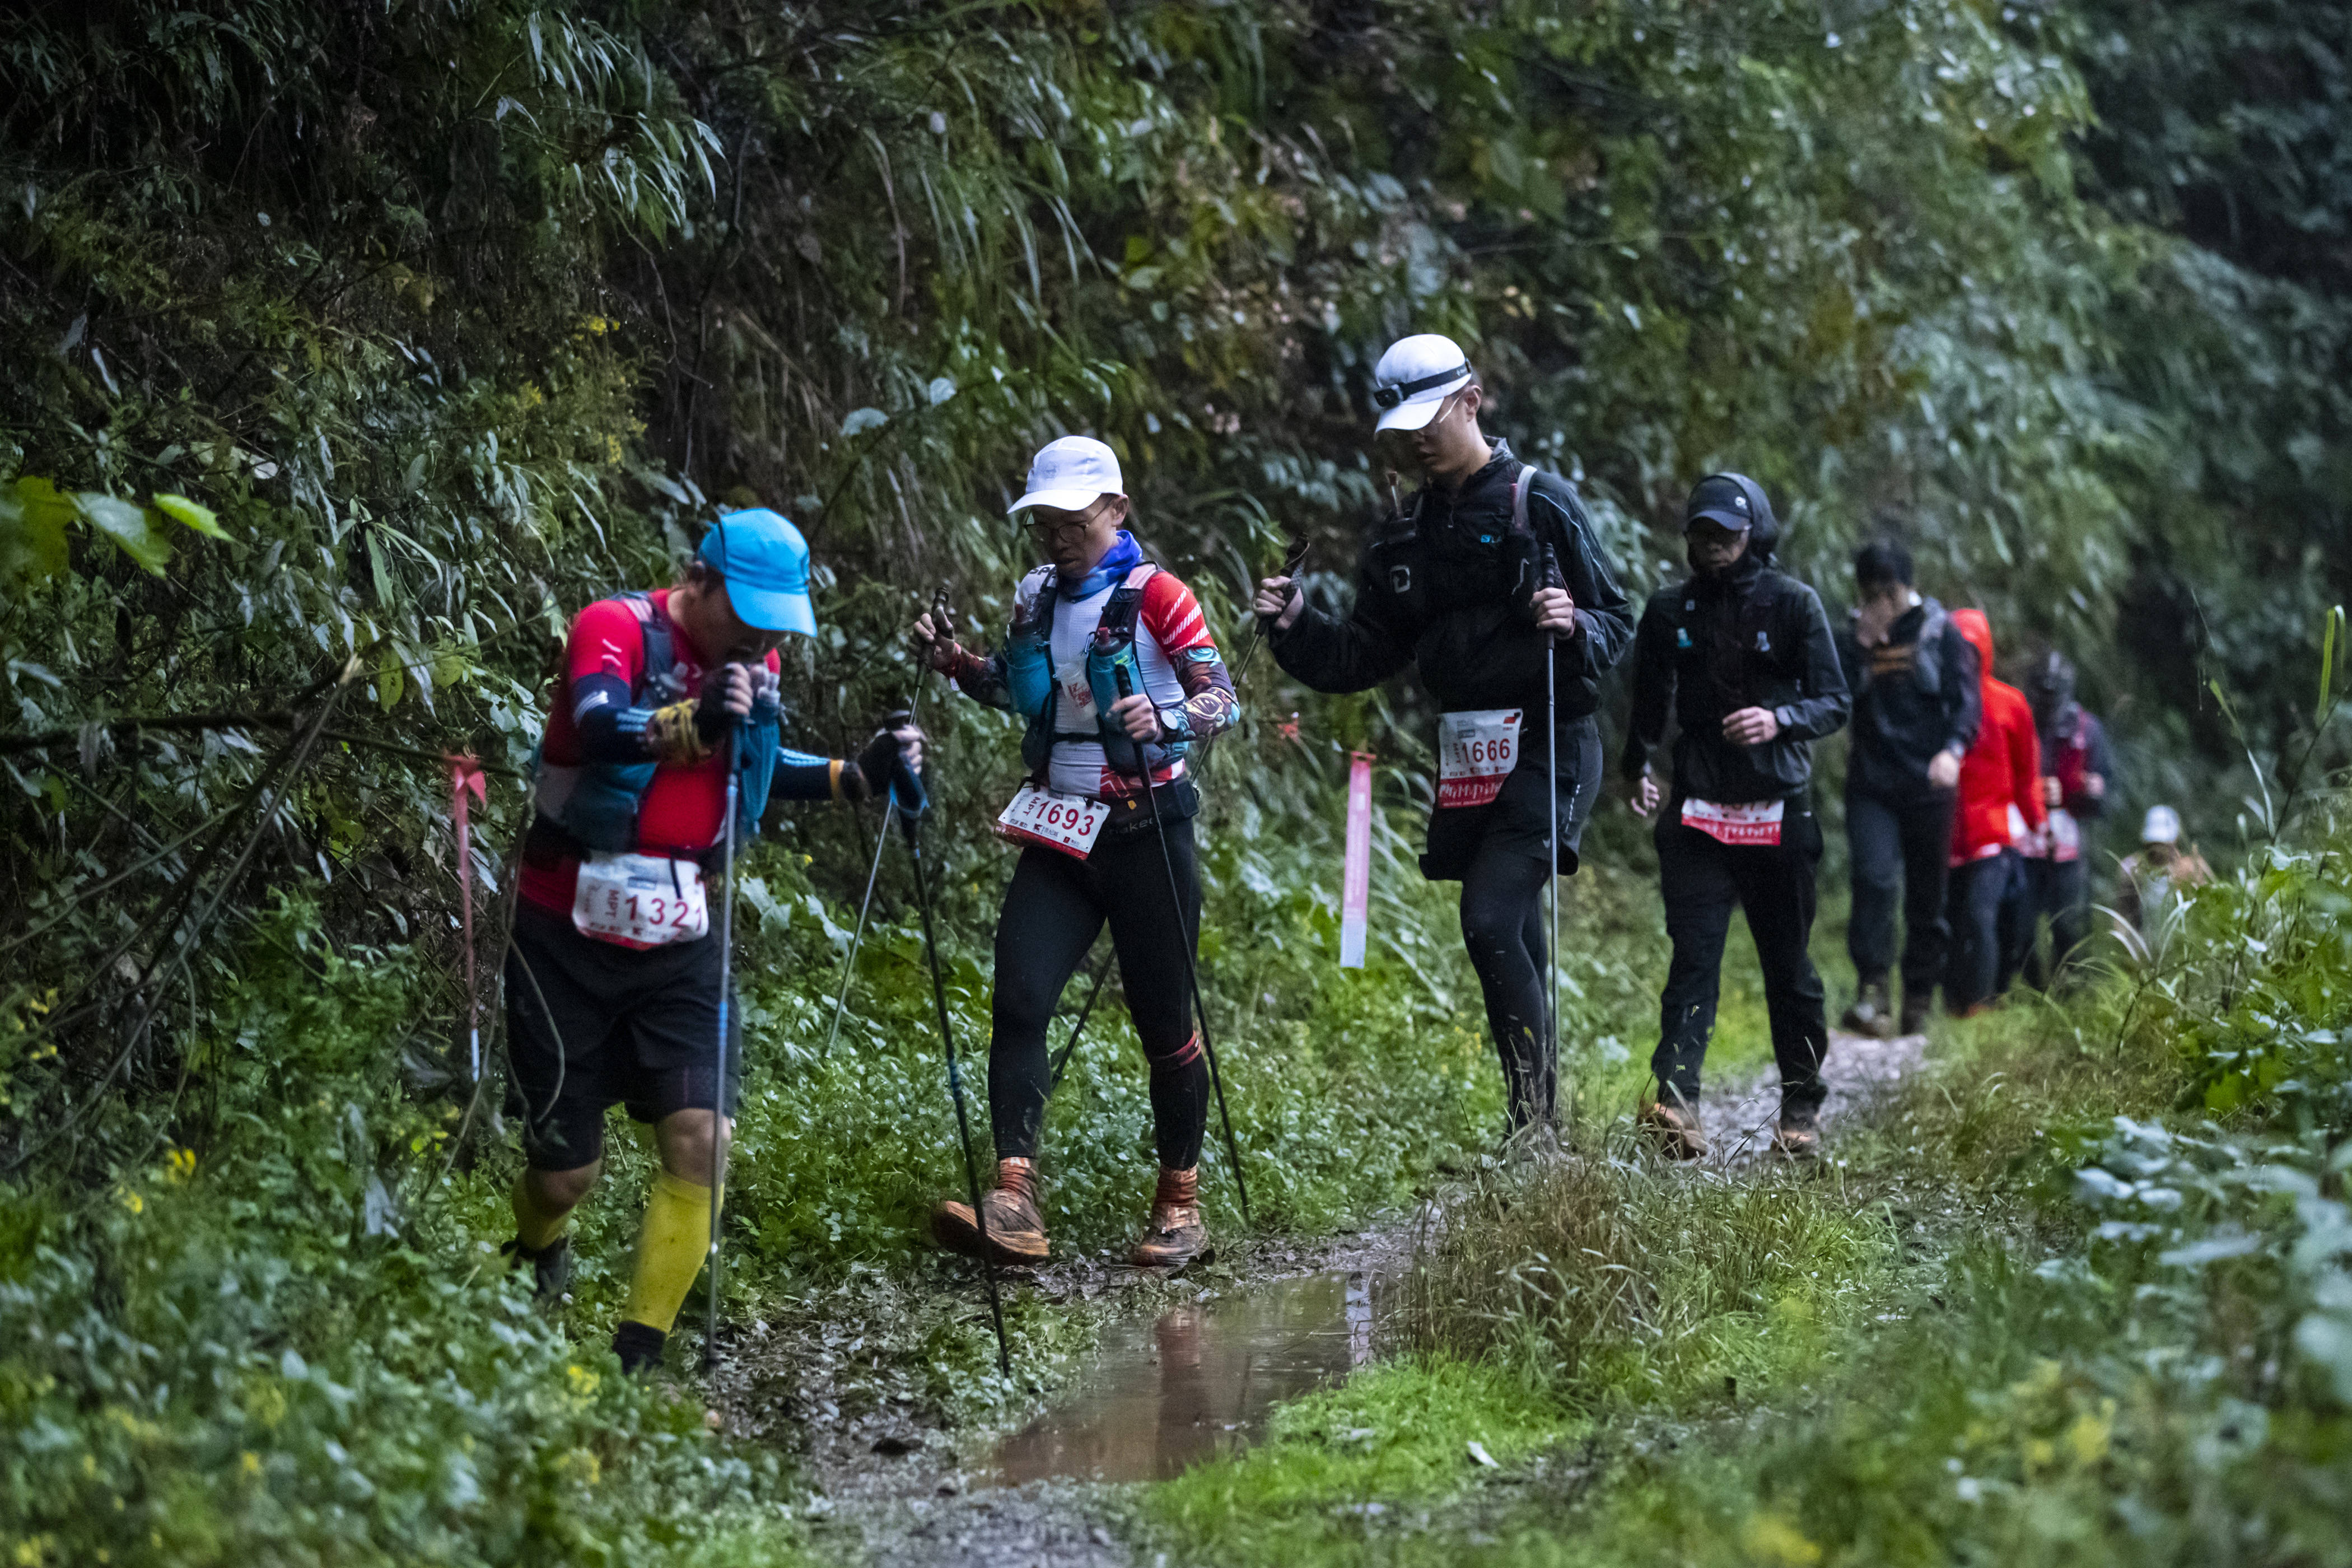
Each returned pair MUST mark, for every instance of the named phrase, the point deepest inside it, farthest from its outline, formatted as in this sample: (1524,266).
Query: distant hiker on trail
(2154,875)
(2000,804)
(613,980)
(2078,778)
(1915,711)
(1743,655)
(1489,563)
(1095,610)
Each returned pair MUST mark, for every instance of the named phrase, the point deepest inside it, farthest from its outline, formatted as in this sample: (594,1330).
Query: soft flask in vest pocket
(1111,651)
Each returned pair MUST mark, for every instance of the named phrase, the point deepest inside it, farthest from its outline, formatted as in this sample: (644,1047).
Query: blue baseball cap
(766,563)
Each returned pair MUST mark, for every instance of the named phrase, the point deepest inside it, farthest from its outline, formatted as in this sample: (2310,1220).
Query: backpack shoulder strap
(660,673)
(1519,489)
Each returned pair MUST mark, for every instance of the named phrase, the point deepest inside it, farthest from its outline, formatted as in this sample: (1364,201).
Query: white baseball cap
(2162,825)
(1069,474)
(1414,376)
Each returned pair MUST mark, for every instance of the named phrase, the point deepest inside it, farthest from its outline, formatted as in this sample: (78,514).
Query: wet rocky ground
(1165,1370)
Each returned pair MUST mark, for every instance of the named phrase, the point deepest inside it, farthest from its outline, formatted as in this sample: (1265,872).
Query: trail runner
(1456,585)
(1088,852)
(1915,711)
(1742,654)
(2000,809)
(2079,775)
(612,982)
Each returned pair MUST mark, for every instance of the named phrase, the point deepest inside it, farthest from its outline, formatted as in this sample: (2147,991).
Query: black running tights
(1053,911)
(1503,926)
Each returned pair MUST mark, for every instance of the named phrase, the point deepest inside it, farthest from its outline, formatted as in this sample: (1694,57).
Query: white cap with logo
(1414,376)
(2162,825)
(1069,474)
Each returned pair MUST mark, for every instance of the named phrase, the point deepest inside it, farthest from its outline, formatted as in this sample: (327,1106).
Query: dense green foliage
(351,348)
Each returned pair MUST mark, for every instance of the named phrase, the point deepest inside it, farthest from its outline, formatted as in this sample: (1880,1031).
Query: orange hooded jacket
(2003,769)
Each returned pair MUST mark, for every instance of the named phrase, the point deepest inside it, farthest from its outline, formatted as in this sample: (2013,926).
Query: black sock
(639,1345)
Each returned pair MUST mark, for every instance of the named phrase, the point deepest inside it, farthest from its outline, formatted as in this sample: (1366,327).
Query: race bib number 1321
(640,900)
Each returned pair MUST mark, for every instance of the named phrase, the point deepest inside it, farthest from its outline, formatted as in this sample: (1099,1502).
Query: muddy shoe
(550,1266)
(1175,1235)
(1873,1012)
(1016,1231)
(1800,1134)
(1672,1130)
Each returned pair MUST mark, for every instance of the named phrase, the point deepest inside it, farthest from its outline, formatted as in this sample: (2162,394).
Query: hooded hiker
(1742,656)
(1491,582)
(1095,613)
(1999,810)
(613,980)
(2078,779)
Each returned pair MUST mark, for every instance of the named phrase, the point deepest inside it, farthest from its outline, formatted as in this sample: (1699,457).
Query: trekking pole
(1192,968)
(849,963)
(1062,1062)
(719,1090)
(911,820)
(1551,842)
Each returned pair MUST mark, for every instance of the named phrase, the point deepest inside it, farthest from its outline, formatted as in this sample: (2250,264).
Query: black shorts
(591,1026)
(1515,818)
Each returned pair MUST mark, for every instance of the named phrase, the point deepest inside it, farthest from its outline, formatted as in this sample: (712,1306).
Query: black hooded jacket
(1446,586)
(1915,694)
(1708,647)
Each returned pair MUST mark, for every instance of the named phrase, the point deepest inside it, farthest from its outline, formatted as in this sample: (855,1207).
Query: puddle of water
(1196,1382)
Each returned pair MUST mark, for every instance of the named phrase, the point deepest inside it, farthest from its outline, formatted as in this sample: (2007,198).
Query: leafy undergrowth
(2117,1330)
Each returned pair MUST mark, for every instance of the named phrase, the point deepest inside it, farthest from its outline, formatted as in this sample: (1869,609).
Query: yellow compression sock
(536,1224)
(675,1239)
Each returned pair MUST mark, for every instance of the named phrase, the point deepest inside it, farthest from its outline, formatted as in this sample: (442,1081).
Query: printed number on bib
(1064,822)
(1475,752)
(1758,823)
(640,900)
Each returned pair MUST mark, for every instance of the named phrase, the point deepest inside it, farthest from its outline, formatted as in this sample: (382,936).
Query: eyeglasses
(1075,526)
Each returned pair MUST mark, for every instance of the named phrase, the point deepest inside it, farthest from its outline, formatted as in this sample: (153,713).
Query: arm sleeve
(1963,701)
(1356,654)
(1172,617)
(2025,767)
(603,655)
(800,775)
(1826,704)
(1605,617)
(1654,685)
(982,679)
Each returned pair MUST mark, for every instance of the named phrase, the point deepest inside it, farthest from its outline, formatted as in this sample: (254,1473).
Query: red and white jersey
(1168,626)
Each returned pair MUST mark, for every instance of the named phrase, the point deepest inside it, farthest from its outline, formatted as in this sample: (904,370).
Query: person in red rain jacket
(2000,800)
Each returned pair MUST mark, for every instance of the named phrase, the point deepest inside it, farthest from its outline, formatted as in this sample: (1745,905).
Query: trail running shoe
(1016,1231)
(639,1346)
(551,1268)
(1915,1015)
(1800,1134)
(1873,1012)
(1176,1234)
(1672,1130)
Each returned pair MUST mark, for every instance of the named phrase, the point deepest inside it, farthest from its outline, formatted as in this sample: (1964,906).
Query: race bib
(640,900)
(1757,824)
(1475,752)
(1064,822)
(2065,835)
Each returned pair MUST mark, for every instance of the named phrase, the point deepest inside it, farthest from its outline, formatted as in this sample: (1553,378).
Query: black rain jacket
(1447,585)
(1914,695)
(1753,637)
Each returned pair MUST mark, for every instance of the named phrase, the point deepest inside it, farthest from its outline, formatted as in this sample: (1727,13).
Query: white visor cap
(2162,826)
(1414,376)
(1069,474)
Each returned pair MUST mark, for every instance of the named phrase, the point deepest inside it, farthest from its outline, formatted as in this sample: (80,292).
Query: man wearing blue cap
(613,980)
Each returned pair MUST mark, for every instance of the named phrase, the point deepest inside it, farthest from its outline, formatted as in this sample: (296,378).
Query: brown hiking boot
(1672,1130)
(1873,1013)
(1175,1235)
(1800,1134)
(1016,1231)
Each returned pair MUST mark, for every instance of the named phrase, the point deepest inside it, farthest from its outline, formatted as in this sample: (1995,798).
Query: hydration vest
(1110,649)
(596,804)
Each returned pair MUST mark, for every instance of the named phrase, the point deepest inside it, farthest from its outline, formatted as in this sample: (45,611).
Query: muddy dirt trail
(1181,1370)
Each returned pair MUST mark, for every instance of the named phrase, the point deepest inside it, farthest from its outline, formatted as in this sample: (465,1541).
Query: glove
(869,772)
(767,696)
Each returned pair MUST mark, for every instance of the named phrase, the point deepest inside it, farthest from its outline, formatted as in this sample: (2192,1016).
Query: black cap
(1735,501)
